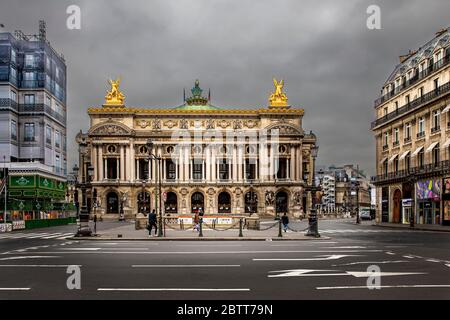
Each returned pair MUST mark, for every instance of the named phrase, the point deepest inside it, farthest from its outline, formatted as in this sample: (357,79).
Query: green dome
(197,101)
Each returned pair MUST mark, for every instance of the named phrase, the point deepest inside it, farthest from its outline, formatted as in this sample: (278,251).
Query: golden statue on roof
(278,98)
(114,97)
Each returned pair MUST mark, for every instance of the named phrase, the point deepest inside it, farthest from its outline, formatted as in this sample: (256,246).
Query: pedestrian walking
(285,222)
(196,222)
(152,223)
(95,224)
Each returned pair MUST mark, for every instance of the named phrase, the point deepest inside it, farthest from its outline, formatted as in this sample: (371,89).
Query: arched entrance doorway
(112,202)
(197,202)
(397,206)
(281,201)
(143,201)
(224,202)
(251,202)
(171,203)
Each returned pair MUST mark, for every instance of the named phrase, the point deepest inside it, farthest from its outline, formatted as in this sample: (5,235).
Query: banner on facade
(18,225)
(429,189)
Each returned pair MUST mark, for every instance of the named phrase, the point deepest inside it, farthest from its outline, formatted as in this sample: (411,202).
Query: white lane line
(55,235)
(369,262)
(38,265)
(27,257)
(15,289)
(390,253)
(349,247)
(208,252)
(388,287)
(174,289)
(185,265)
(66,235)
(433,260)
(38,236)
(408,257)
(320,258)
(448,265)
(81,249)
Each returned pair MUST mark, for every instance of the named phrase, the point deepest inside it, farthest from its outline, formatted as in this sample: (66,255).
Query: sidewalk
(420,227)
(128,232)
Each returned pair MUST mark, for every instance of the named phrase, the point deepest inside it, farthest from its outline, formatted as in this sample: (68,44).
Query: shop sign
(18,225)
(185,220)
(225,221)
(407,202)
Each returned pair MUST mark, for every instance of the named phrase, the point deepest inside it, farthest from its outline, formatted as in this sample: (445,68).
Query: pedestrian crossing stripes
(359,231)
(37,235)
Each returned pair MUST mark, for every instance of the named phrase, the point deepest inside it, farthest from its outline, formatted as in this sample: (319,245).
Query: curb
(409,228)
(195,239)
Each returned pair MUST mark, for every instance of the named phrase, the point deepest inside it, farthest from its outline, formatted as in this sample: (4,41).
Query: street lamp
(158,176)
(84,213)
(313,221)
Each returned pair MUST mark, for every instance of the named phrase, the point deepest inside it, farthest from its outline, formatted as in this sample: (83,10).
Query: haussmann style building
(412,132)
(217,160)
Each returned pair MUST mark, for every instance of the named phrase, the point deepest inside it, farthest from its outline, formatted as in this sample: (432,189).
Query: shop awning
(383,160)
(393,158)
(432,146)
(446,144)
(403,156)
(415,153)
(447,109)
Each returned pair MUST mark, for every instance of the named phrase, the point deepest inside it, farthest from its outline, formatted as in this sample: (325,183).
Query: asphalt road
(413,265)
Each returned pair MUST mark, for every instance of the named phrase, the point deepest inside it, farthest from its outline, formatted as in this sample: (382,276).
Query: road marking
(408,257)
(390,253)
(81,249)
(38,265)
(368,262)
(208,252)
(14,289)
(320,258)
(349,247)
(27,257)
(448,265)
(433,260)
(38,236)
(357,274)
(388,287)
(56,235)
(184,265)
(173,289)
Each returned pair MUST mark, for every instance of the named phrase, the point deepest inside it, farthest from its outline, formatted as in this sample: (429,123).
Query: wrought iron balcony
(418,76)
(415,104)
(42,108)
(442,167)
(8,103)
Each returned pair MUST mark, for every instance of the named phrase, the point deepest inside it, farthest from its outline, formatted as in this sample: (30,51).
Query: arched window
(112,202)
(171,205)
(224,202)
(251,202)
(281,200)
(197,202)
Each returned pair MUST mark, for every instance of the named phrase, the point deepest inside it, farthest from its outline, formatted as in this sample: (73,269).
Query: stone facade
(223,161)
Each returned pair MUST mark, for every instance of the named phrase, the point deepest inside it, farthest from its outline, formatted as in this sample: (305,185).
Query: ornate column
(186,163)
(293,174)
(208,164)
(299,163)
(100,162)
(95,161)
(234,165)
(132,162)
(213,165)
(239,163)
(122,167)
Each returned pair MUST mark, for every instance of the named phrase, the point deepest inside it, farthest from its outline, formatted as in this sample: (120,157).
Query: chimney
(405,57)
(441,32)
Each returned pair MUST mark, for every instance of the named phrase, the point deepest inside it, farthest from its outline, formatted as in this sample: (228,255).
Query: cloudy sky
(333,65)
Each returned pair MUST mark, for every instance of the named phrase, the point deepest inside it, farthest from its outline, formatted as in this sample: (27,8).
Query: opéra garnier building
(218,160)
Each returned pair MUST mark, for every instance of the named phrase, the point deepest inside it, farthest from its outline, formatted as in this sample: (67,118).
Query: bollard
(280,234)
(200,234)
(181,225)
(240,228)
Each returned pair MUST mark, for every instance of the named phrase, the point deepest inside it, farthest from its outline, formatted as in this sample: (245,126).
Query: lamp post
(84,213)
(313,221)
(158,181)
